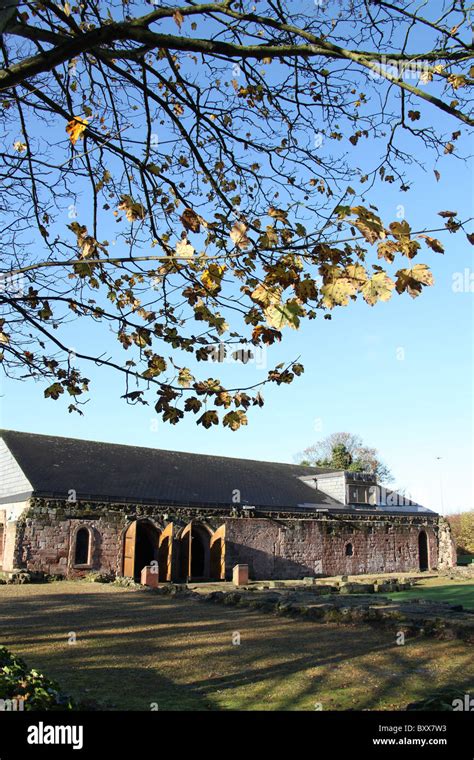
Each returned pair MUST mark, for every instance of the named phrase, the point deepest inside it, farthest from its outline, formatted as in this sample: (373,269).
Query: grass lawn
(135,648)
(440,590)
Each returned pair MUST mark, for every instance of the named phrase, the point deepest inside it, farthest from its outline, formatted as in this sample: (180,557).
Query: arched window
(349,550)
(82,550)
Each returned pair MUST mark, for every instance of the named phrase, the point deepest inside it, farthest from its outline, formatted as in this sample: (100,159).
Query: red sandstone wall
(294,549)
(47,545)
(284,549)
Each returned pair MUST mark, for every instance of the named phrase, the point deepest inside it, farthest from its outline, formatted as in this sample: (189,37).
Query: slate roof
(132,474)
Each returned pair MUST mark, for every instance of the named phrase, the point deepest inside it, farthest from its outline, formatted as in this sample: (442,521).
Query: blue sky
(399,374)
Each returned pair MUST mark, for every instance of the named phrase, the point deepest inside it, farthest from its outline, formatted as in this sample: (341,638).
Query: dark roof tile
(114,472)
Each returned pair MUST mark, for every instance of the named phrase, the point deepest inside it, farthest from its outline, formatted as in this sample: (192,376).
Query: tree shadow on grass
(134,649)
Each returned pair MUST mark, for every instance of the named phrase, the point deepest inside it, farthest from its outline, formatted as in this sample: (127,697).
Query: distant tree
(462,528)
(341,457)
(346,451)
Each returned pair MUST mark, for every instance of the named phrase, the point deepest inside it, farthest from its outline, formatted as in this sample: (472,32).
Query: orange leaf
(75,129)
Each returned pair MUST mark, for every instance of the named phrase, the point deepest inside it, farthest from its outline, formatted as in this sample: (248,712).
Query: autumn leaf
(156,365)
(172,415)
(76,128)
(269,238)
(234,420)
(184,249)
(192,404)
(266,335)
(87,244)
(185,378)
(337,292)
(19,146)
(54,391)
(208,419)
(401,231)
(433,243)
(212,277)
(413,280)
(378,288)
(133,209)
(238,235)
(278,214)
(298,369)
(387,250)
(191,221)
(178,19)
(264,295)
(287,314)
(141,337)
(369,224)
(357,274)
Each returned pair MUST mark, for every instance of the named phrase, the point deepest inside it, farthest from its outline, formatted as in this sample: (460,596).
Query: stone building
(70,507)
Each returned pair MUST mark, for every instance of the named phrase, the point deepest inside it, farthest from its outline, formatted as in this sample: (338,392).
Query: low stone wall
(292,549)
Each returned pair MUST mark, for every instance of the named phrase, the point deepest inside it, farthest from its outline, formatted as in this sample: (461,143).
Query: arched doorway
(423,551)
(217,555)
(141,547)
(194,552)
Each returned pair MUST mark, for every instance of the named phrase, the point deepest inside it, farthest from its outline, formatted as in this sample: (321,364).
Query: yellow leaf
(178,18)
(19,146)
(278,213)
(269,237)
(76,128)
(338,292)
(265,295)
(133,209)
(369,224)
(184,249)
(413,280)
(378,288)
(238,235)
(211,277)
(280,315)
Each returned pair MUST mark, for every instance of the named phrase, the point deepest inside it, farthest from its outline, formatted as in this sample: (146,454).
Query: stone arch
(83,545)
(423,551)
(194,551)
(140,547)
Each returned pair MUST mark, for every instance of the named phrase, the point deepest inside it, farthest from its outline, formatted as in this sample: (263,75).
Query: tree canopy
(186,177)
(346,451)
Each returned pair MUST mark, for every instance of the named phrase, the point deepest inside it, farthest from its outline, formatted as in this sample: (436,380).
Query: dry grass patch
(135,648)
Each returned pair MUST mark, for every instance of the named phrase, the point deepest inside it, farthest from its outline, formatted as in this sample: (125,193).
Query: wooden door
(217,548)
(185,549)
(129,550)
(166,553)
